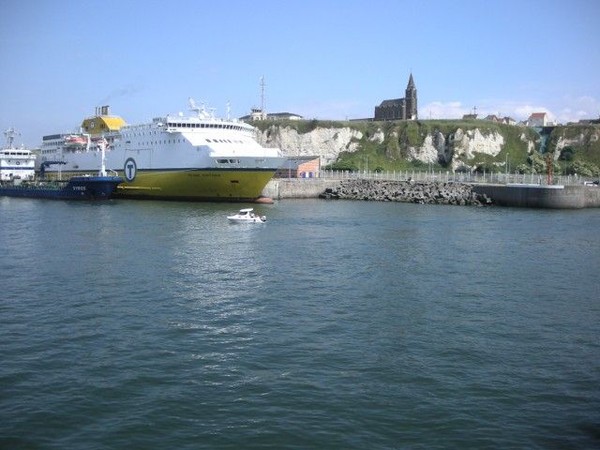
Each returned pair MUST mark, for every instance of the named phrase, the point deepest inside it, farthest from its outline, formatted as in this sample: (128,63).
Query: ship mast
(10,137)
(102,144)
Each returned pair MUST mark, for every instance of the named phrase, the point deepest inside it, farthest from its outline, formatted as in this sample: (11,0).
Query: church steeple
(411,83)
(411,100)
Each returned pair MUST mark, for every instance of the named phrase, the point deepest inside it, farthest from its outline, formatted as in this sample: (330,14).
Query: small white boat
(247,215)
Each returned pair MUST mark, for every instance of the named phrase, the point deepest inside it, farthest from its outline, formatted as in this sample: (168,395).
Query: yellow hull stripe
(196,184)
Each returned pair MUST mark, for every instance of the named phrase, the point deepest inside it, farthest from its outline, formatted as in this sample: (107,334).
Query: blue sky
(320,59)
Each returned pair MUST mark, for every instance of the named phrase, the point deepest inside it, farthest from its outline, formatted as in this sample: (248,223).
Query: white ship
(16,163)
(194,157)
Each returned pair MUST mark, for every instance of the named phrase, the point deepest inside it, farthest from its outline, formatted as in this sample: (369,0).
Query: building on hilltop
(589,121)
(259,114)
(399,108)
(538,119)
(506,120)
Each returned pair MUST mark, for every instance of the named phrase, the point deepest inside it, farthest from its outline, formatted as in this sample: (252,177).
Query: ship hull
(196,185)
(77,188)
(208,185)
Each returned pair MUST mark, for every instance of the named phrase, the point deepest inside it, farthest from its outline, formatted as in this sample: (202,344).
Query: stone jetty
(408,192)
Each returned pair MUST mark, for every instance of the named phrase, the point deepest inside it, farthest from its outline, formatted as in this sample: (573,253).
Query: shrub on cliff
(584,169)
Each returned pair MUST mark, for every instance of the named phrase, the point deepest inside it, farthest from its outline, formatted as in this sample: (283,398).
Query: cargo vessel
(18,178)
(75,188)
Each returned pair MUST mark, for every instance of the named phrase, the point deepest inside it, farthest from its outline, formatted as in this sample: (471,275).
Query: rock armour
(408,192)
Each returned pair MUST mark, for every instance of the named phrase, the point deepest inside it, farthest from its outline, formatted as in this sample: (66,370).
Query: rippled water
(334,325)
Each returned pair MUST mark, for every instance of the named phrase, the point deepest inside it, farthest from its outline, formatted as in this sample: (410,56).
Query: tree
(566,154)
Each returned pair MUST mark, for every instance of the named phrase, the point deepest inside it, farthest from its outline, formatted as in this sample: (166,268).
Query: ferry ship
(180,157)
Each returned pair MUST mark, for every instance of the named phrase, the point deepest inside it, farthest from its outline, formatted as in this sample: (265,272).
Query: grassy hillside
(391,154)
(578,147)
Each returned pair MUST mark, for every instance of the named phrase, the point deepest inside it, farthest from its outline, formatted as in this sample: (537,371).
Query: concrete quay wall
(279,188)
(536,196)
(529,196)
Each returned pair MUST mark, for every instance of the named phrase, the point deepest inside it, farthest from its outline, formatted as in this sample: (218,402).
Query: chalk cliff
(452,144)
(452,147)
(327,143)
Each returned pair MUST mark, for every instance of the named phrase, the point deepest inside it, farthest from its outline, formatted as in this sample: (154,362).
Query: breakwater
(408,192)
(438,192)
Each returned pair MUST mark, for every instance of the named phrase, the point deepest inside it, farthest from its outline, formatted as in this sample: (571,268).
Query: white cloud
(573,109)
(561,110)
(443,110)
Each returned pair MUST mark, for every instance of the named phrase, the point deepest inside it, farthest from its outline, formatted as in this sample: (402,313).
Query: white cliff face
(330,142)
(327,143)
(530,143)
(378,137)
(428,152)
(472,141)
(439,148)
(576,141)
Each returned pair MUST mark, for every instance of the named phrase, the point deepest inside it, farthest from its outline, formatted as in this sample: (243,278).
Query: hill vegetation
(387,146)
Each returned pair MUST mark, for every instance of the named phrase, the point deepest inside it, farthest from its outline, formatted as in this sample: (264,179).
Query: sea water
(336,324)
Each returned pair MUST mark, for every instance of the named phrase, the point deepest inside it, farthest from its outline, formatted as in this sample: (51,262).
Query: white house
(538,119)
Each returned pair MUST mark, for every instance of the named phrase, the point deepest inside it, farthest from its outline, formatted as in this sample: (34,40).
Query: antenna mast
(262,94)
(10,136)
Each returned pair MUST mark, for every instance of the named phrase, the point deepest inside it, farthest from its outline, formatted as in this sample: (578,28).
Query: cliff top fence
(460,177)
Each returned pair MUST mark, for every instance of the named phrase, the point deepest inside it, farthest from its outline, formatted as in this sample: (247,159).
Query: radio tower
(262,97)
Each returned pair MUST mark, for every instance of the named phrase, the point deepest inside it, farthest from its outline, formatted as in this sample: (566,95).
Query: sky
(323,59)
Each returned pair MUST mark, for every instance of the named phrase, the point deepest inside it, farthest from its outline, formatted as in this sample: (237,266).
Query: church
(399,108)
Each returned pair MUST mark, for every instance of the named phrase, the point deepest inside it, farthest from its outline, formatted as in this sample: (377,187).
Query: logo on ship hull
(130,169)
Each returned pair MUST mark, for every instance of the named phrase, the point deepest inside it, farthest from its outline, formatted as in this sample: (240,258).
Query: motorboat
(247,215)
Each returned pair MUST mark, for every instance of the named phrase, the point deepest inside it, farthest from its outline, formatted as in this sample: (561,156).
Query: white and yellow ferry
(194,157)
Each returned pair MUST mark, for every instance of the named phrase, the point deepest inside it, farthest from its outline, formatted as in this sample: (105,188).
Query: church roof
(392,102)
